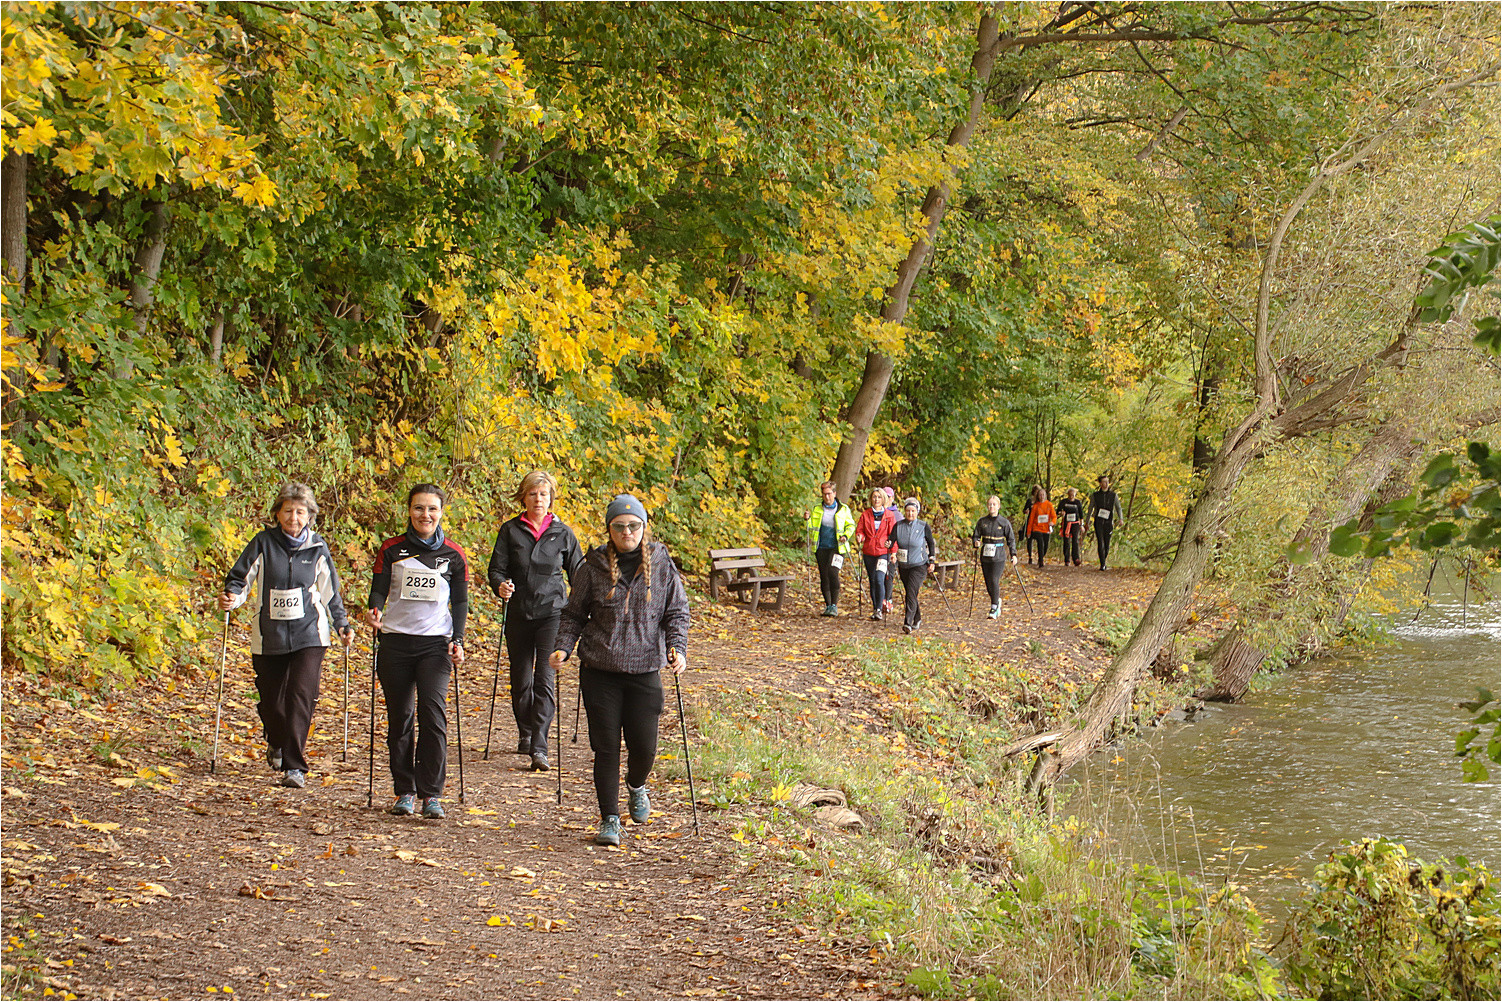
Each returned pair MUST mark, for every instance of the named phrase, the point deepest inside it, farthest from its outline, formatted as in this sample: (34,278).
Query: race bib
(286,603)
(988,549)
(419,584)
(1102,513)
(1069,517)
(881,566)
(837,561)
(901,555)
(1042,519)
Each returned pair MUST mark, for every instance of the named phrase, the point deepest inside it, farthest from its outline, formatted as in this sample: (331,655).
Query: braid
(646,560)
(615,572)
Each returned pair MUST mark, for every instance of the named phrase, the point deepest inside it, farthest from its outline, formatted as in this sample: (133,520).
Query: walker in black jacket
(538,556)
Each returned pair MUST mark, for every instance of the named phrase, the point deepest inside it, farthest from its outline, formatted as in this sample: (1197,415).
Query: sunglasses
(627,528)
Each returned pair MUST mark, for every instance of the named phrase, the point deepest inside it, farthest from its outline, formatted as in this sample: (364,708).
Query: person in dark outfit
(531,567)
(996,541)
(419,600)
(914,540)
(1105,514)
(1071,526)
(286,574)
(628,617)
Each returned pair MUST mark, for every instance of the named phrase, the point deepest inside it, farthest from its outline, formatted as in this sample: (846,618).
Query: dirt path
(130,871)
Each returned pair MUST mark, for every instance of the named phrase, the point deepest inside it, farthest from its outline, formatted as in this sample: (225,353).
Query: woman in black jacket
(286,573)
(628,615)
(531,568)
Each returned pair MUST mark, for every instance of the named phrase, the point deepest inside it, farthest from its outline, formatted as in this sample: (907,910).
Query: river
(1358,744)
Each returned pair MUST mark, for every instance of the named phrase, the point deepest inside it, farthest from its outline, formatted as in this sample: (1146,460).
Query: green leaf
(1345,541)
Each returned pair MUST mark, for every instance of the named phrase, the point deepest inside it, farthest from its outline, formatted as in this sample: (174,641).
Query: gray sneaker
(295,779)
(638,804)
(610,831)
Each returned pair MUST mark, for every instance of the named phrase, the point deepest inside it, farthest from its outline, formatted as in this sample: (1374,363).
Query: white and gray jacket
(292,589)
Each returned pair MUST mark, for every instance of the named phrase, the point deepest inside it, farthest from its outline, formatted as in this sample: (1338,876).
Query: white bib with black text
(419,584)
(286,603)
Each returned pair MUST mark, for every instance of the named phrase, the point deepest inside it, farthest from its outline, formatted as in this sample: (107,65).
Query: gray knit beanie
(624,504)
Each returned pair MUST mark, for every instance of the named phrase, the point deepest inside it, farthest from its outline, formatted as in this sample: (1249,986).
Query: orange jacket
(1041,517)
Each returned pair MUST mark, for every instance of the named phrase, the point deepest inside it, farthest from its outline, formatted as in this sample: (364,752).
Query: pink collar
(536,530)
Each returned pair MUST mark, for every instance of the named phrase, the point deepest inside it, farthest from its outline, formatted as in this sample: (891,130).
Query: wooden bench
(739,571)
(947,574)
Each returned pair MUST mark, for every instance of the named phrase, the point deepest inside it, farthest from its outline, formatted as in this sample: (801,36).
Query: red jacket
(876,536)
(1041,517)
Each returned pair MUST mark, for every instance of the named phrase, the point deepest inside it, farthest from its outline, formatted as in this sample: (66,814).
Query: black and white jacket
(293,590)
(993,531)
(422,588)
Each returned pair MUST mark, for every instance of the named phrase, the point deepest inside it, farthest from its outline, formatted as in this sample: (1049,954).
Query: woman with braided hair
(628,618)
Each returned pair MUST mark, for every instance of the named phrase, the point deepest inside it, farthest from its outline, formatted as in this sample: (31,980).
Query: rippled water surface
(1350,746)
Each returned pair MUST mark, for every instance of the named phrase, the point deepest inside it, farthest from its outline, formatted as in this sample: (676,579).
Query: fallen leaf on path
(249,890)
(153,890)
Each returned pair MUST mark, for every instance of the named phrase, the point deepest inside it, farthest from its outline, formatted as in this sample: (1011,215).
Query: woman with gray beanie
(286,575)
(628,618)
(914,540)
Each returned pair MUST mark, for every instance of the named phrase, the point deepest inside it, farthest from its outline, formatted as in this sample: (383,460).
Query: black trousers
(1041,538)
(992,570)
(878,580)
(912,583)
(1070,541)
(620,705)
(1103,539)
(288,684)
(829,576)
(529,644)
(414,673)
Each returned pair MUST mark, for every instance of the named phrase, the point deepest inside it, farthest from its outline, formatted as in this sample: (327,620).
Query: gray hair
(301,493)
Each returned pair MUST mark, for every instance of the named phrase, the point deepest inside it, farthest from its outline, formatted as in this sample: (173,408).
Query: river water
(1359,744)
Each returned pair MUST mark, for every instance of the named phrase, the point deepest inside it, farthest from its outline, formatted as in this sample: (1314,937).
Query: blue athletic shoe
(405,806)
(639,804)
(431,808)
(610,831)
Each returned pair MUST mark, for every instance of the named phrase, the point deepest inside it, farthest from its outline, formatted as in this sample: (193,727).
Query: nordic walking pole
(1018,571)
(973,567)
(344,755)
(496,684)
(943,593)
(459,731)
(375,643)
(558,715)
(219,707)
(687,764)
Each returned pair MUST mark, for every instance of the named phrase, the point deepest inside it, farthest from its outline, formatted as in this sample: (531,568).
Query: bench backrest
(745,558)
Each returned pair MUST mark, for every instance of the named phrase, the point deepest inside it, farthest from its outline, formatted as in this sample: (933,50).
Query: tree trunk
(13,221)
(216,340)
(1209,383)
(144,271)
(1113,695)
(878,372)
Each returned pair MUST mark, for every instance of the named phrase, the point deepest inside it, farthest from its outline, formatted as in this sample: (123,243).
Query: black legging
(1103,539)
(876,579)
(912,583)
(409,667)
(1070,541)
(1041,538)
(288,684)
(529,642)
(829,576)
(621,705)
(992,570)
